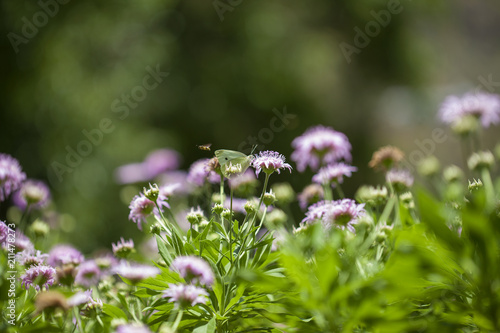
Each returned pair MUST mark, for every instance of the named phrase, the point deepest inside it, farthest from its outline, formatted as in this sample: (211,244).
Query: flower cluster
(193,270)
(333,174)
(319,146)
(11,176)
(340,213)
(270,161)
(482,106)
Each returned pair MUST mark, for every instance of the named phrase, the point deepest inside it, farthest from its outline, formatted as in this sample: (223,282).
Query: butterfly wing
(232,157)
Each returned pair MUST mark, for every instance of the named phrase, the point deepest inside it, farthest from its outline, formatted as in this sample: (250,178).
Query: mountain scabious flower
(28,258)
(61,255)
(333,174)
(123,248)
(200,172)
(270,161)
(140,208)
(386,158)
(310,195)
(88,274)
(185,295)
(340,213)
(11,176)
(193,269)
(81,297)
(41,276)
(482,106)
(319,146)
(33,194)
(135,272)
(4,232)
(400,179)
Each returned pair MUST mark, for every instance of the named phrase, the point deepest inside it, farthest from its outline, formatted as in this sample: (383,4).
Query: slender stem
(231,227)
(177,320)
(327,190)
(261,196)
(339,191)
(78,320)
(488,188)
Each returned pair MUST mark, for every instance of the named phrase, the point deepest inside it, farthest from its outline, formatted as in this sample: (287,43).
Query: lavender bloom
(310,195)
(161,160)
(81,297)
(140,208)
(32,194)
(39,276)
(166,191)
(123,248)
(4,231)
(88,274)
(185,295)
(22,242)
(483,106)
(340,213)
(64,254)
(11,176)
(193,269)
(399,178)
(29,258)
(200,171)
(132,328)
(156,163)
(333,174)
(135,272)
(270,161)
(176,177)
(318,146)
(243,180)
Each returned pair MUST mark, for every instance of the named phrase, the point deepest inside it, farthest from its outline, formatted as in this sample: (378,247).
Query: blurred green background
(230,63)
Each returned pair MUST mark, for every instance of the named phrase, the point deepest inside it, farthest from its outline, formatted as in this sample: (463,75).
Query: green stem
(261,197)
(339,191)
(231,226)
(327,190)
(177,320)
(488,188)
(78,320)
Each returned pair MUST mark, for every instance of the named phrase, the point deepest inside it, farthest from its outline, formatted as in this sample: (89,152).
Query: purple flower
(311,194)
(161,160)
(64,254)
(333,174)
(132,328)
(179,177)
(29,258)
(246,179)
(140,208)
(319,146)
(88,274)
(400,179)
(4,231)
(485,107)
(123,248)
(165,192)
(156,163)
(193,269)
(39,276)
(32,194)
(22,242)
(185,295)
(135,272)
(200,171)
(340,213)
(81,297)
(11,175)
(270,161)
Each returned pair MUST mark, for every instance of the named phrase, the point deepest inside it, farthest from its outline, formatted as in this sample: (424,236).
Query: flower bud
(250,207)
(40,228)
(226,213)
(453,174)
(284,193)
(465,125)
(276,218)
(192,218)
(481,160)
(475,185)
(155,229)
(152,192)
(429,166)
(217,208)
(269,198)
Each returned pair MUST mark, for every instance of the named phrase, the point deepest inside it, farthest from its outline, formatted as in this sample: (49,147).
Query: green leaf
(162,248)
(113,311)
(208,328)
